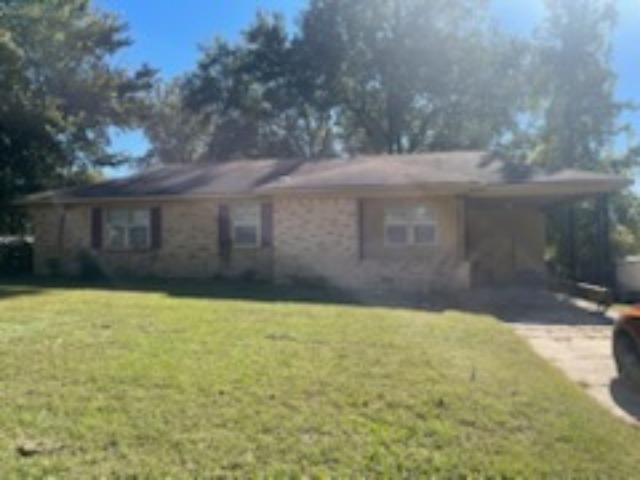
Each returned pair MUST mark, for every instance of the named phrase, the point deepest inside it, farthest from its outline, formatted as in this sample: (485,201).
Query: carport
(505,226)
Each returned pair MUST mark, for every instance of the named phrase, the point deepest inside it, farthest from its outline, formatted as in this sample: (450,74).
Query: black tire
(627,356)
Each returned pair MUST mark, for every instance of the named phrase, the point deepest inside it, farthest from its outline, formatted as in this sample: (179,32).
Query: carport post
(605,259)
(571,242)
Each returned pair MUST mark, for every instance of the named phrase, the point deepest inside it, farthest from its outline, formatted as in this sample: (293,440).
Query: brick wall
(316,238)
(319,238)
(189,245)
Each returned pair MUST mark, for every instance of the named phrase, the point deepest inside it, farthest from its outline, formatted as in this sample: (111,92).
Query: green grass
(179,382)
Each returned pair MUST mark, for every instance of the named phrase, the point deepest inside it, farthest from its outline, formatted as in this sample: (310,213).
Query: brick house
(408,223)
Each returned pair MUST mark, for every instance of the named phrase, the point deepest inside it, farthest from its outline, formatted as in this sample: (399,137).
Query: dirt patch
(29,448)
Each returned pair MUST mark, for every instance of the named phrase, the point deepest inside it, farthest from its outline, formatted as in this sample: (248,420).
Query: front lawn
(180,382)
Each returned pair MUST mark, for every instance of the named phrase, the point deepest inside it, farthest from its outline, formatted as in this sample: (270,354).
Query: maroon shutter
(267,225)
(61,227)
(361,229)
(156,228)
(96,228)
(224,232)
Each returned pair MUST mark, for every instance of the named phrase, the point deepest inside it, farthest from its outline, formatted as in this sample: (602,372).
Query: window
(128,229)
(409,226)
(246,227)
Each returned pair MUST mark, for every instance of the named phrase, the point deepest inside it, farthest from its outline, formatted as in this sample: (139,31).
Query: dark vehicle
(626,346)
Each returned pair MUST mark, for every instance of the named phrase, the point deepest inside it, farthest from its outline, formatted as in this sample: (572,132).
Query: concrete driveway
(579,344)
(572,336)
(583,353)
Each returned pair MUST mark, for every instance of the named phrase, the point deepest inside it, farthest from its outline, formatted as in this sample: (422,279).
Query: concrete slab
(583,353)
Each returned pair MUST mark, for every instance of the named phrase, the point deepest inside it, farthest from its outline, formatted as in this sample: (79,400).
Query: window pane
(138,238)
(246,224)
(140,217)
(408,214)
(245,235)
(118,216)
(421,215)
(116,237)
(397,234)
(398,215)
(246,214)
(424,234)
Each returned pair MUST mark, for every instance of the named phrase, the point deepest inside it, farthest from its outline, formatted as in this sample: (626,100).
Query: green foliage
(186,382)
(391,76)
(16,256)
(90,268)
(626,224)
(176,134)
(416,75)
(575,85)
(360,76)
(258,97)
(59,95)
(579,126)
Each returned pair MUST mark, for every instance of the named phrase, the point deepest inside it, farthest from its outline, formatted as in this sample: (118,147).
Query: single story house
(408,223)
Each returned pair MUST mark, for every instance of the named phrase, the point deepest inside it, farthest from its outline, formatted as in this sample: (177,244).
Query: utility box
(628,278)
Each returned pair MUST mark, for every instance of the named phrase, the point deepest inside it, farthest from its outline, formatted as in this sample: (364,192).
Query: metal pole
(571,242)
(604,243)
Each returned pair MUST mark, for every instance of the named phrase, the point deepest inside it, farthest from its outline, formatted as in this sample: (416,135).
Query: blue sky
(167,35)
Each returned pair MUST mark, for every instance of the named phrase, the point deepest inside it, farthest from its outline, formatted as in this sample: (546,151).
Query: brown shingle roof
(233,178)
(246,177)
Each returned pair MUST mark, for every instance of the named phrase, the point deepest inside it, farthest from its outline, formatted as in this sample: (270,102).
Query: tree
(176,134)
(258,97)
(576,85)
(579,124)
(59,95)
(415,75)
(393,76)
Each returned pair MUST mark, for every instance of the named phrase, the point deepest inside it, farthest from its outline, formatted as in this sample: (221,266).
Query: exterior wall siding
(319,238)
(189,245)
(48,243)
(338,240)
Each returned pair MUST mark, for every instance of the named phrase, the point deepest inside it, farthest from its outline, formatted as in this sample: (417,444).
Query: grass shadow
(510,305)
(228,289)
(9,291)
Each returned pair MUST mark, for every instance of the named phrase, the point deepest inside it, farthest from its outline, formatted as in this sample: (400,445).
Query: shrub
(90,268)
(54,267)
(16,256)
